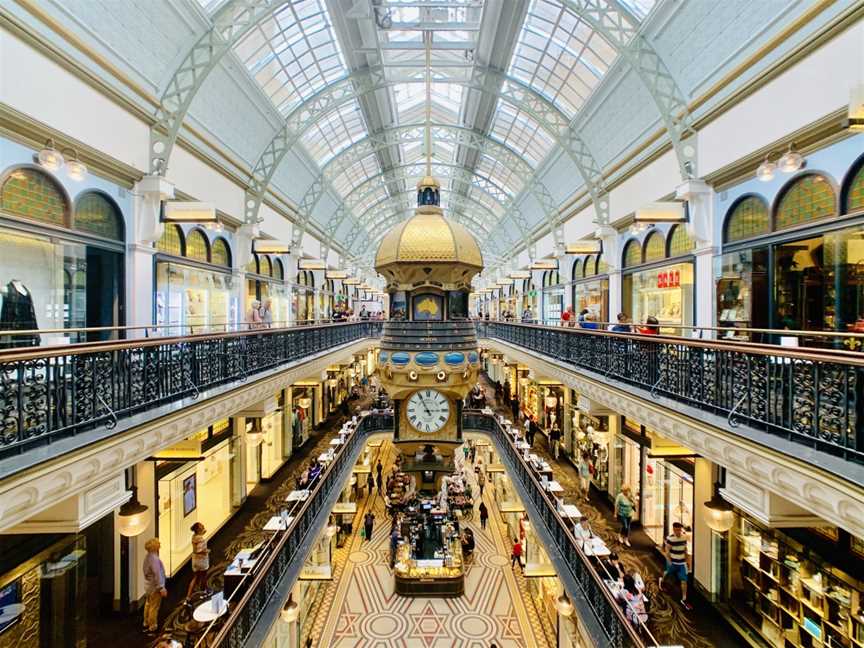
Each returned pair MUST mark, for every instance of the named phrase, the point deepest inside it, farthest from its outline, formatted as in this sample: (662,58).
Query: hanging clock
(428,410)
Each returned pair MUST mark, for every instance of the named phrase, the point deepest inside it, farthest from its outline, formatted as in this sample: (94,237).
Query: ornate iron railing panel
(812,397)
(54,392)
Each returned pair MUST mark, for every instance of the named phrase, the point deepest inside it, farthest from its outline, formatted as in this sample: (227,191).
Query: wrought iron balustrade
(812,397)
(51,392)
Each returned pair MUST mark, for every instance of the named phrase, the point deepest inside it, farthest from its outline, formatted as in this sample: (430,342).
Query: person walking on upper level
(527,316)
(266,314)
(516,555)
(624,512)
(154,585)
(253,316)
(623,325)
(652,326)
(567,317)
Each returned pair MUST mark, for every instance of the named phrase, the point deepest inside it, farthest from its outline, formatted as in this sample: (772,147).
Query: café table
(297,496)
(571,512)
(554,487)
(276,523)
(595,547)
(208,611)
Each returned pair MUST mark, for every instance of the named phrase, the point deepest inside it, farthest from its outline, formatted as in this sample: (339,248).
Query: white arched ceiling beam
(366,81)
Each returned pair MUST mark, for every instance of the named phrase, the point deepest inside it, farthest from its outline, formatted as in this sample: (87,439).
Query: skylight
(338,130)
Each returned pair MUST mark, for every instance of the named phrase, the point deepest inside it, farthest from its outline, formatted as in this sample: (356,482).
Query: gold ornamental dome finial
(429,181)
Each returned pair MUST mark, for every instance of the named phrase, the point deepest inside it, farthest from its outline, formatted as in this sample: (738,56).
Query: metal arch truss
(484,80)
(618,26)
(230,24)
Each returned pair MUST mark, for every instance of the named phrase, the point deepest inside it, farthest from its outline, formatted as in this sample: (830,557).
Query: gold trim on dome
(428,237)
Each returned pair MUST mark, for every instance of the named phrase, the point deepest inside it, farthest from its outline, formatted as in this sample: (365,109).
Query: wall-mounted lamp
(719,514)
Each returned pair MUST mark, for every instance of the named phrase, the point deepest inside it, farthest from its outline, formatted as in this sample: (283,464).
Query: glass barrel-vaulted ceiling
(297,52)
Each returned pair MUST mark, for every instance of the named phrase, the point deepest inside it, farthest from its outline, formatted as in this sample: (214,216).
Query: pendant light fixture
(49,157)
(563,605)
(765,171)
(132,519)
(290,611)
(75,168)
(790,161)
(719,514)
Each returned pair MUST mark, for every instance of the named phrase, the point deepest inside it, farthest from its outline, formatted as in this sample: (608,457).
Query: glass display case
(665,293)
(593,295)
(194,299)
(435,570)
(741,280)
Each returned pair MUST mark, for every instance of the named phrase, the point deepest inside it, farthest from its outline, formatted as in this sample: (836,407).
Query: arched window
(747,218)
(854,192)
(590,268)
(278,270)
(33,194)
(805,199)
(577,269)
(265,266)
(221,252)
(171,241)
(679,241)
(96,214)
(655,247)
(601,264)
(632,253)
(310,278)
(196,246)
(252,266)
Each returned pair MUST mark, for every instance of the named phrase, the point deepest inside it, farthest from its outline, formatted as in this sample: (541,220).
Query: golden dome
(429,237)
(429,181)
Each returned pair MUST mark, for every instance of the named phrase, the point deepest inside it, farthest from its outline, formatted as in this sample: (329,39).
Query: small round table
(204,613)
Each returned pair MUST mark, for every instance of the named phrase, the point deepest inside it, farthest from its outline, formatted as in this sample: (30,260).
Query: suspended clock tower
(429,359)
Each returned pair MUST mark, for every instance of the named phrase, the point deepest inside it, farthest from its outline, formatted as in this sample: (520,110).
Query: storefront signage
(189,212)
(669,279)
(585,246)
(269,246)
(661,212)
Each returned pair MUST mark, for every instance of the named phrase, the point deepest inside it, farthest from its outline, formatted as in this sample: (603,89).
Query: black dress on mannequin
(18,314)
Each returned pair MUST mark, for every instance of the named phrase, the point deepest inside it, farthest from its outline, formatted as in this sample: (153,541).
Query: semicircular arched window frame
(278,270)
(577,269)
(602,268)
(632,254)
(679,241)
(590,267)
(854,193)
(197,246)
(252,265)
(220,252)
(34,195)
(805,199)
(171,242)
(97,214)
(266,266)
(654,246)
(747,218)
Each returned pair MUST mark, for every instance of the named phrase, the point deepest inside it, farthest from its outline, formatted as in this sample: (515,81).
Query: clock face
(428,410)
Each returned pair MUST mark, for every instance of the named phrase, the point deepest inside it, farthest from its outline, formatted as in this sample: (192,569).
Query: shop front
(194,483)
(303,407)
(591,434)
(62,261)
(303,297)
(528,301)
(530,397)
(265,282)
(194,290)
(797,263)
(590,287)
(660,475)
(553,298)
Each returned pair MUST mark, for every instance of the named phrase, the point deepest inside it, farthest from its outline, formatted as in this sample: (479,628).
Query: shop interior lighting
(719,514)
(75,168)
(765,171)
(790,161)
(132,519)
(49,157)
(215,227)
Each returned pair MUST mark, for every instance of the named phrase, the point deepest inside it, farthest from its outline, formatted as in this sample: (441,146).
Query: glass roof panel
(503,176)
(521,133)
(338,130)
(357,173)
(293,53)
(639,8)
(560,56)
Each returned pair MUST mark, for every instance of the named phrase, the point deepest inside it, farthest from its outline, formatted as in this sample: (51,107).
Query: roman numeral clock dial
(428,410)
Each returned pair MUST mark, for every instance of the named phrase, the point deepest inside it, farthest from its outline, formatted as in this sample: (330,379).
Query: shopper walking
(200,559)
(394,544)
(370,483)
(481,480)
(624,512)
(623,325)
(484,514)
(380,483)
(675,550)
(266,313)
(368,523)
(555,439)
(516,555)
(584,469)
(379,468)
(154,585)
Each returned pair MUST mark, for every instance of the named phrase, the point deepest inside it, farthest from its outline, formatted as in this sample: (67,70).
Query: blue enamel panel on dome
(400,358)
(382,357)
(472,357)
(426,358)
(454,358)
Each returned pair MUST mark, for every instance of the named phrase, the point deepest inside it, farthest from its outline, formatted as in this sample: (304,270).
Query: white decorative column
(567,423)
(612,255)
(700,201)
(149,192)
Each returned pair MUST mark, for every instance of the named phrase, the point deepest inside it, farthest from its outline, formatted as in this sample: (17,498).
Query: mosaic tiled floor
(359,608)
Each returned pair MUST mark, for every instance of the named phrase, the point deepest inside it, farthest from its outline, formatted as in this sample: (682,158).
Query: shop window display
(33,194)
(655,247)
(96,214)
(748,218)
(171,241)
(742,286)
(805,199)
(553,297)
(196,298)
(197,247)
(666,293)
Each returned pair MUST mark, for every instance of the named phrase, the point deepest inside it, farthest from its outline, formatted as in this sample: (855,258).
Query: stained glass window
(632,253)
(266,267)
(807,199)
(196,246)
(278,270)
(577,269)
(679,241)
(171,241)
(590,266)
(221,253)
(32,194)
(95,214)
(749,217)
(252,266)
(655,247)
(855,192)
(602,266)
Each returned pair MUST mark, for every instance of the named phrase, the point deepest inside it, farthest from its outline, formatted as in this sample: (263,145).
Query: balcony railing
(812,397)
(47,393)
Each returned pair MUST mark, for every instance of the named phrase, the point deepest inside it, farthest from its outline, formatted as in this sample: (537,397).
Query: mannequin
(18,314)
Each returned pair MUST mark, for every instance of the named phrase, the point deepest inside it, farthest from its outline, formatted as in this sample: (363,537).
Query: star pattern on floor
(427,625)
